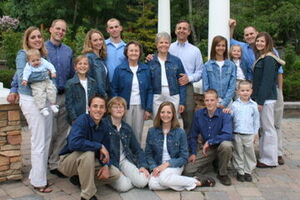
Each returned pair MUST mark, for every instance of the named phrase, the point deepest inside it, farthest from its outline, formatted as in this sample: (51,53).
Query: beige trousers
(84,165)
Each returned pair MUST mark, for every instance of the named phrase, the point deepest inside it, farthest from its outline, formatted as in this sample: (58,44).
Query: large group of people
(86,115)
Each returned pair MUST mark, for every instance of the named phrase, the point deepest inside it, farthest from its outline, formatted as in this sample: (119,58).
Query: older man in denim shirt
(215,128)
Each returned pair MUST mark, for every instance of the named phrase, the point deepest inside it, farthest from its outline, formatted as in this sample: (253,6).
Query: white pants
(41,130)
(135,118)
(129,178)
(268,139)
(164,96)
(278,114)
(244,160)
(172,178)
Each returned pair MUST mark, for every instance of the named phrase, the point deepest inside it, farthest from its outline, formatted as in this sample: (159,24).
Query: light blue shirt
(43,67)
(190,57)
(115,56)
(245,117)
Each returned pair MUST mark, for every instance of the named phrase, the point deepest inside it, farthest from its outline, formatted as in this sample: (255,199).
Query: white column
(219,13)
(164,20)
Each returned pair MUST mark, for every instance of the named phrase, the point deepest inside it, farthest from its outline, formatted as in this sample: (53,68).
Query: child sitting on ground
(246,124)
(41,90)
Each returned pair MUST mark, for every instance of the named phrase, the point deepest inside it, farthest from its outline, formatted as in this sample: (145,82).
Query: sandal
(206,181)
(44,189)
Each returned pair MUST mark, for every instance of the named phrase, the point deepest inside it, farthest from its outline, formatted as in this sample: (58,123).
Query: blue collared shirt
(190,57)
(115,56)
(245,117)
(61,57)
(214,130)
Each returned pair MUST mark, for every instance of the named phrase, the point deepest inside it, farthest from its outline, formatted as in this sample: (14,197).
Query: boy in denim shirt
(246,124)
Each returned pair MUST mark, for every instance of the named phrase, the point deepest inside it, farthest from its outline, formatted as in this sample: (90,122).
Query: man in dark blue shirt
(86,150)
(60,55)
(215,128)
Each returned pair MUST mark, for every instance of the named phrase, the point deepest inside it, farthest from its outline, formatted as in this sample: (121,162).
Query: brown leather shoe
(262,165)
(280,160)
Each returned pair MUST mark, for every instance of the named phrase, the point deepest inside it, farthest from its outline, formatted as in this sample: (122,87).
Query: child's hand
(24,83)
(53,75)
(226,110)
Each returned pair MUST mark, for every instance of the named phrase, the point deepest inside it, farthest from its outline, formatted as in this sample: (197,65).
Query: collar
(250,101)
(109,41)
(182,44)
(125,65)
(216,114)
(92,122)
(53,45)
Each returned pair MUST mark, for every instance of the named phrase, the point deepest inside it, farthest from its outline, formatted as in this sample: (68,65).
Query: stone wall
(10,143)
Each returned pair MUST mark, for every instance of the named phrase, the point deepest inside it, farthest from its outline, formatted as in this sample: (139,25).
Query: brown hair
(87,46)
(211,91)
(184,21)
(215,42)
(26,47)
(116,101)
(57,20)
(112,20)
(79,58)
(269,43)
(231,49)
(136,44)
(244,82)
(157,123)
(96,96)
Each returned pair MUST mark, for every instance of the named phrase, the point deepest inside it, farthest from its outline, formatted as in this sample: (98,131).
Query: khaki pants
(41,91)
(84,164)
(60,131)
(135,118)
(222,152)
(188,113)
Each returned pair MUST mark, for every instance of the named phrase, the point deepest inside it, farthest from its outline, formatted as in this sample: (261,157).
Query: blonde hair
(32,52)
(87,46)
(116,101)
(231,49)
(26,47)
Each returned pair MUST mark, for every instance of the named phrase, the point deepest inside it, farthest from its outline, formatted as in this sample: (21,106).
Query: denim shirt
(76,98)
(174,67)
(131,148)
(85,136)
(176,145)
(223,82)
(122,84)
(99,72)
(61,57)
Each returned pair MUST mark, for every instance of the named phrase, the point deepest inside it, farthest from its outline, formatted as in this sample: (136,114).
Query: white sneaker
(45,112)
(54,108)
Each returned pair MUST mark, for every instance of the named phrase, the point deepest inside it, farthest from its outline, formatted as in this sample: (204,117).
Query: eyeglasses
(118,107)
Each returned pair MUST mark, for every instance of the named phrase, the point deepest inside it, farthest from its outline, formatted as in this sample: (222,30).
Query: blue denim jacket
(122,84)
(174,67)
(75,96)
(176,144)
(131,147)
(223,82)
(99,72)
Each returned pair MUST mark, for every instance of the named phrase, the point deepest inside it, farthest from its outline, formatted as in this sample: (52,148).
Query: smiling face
(182,31)
(236,52)
(97,109)
(114,29)
(82,66)
(211,102)
(96,42)
(35,40)
(117,111)
(260,43)
(133,52)
(250,34)
(166,114)
(245,91)
(34,60)
(58,31)
(220,48)
(163,45)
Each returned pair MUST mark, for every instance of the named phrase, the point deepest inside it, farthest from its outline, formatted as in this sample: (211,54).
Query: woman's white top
(135,98)
(84,85)
(164,80)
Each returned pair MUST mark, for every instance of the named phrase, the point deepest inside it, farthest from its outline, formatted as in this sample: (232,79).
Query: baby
(41,90)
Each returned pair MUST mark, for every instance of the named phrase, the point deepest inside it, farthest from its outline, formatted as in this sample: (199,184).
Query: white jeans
(244,160)
(135,118)
(164,96)
(268,139)
(130,177)
(41,131)
(278,114)
(172,178)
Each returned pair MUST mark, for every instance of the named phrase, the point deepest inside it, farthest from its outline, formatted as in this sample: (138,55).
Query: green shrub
(10,44)
(6,77)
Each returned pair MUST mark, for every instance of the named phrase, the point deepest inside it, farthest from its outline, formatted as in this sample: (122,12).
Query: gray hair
(161,35)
